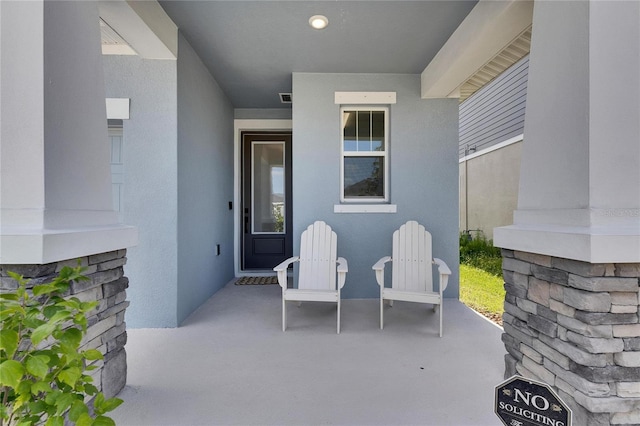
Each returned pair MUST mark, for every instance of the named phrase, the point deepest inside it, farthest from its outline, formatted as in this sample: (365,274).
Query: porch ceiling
(252,47)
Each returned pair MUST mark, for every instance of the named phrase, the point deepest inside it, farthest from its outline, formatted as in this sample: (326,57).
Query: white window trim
(343,153)
(365,98)
(365,208)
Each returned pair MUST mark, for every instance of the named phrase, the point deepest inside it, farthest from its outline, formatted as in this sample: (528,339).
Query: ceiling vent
(285,98)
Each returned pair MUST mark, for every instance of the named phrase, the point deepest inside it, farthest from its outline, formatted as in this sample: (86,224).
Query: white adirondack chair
(411,276)
(318,267)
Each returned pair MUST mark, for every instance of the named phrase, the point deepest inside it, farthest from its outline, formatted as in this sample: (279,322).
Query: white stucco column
(55,187)
(579,195)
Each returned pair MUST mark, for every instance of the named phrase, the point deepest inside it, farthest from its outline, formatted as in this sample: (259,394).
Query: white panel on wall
(118,108)
(117,170)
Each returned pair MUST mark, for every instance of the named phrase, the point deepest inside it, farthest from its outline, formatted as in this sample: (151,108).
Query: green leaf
(87,306)
(38,365)
(50,311)
(51,397)
(10,311)
(92,354)
(11,373)
(17,277)
(64,401)
(69,350)
(84,420)
(9,296)
(31,319)
(42,332)
(9,341)
(89,389)
(24,388)
(39,290)
(55,421)
(103,421)
(70,376)
(60,316)
(71,336)
(111,404)
(38,407)
(38,387)
(77,409)
(99,400)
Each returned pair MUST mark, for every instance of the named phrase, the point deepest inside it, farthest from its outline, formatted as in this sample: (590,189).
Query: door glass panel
(267,187)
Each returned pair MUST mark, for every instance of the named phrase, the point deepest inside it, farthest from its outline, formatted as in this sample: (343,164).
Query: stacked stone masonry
(106,325)
(574,325)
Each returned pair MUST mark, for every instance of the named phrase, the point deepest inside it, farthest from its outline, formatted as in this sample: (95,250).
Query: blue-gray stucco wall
(150,187)
(205,183)
(178,159)
(423,172)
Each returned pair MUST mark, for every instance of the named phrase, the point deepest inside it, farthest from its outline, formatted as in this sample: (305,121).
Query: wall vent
(285,98)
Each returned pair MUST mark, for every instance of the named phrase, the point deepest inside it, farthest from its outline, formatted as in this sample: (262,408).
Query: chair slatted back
(318,255)
(412,258)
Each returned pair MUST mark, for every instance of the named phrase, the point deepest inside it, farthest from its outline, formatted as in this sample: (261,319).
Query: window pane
(377,131)
(350,145)
(349,124)
(364,125)
(364,177)
(364,146)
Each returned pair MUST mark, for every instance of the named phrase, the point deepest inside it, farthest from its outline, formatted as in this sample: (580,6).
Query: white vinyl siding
(495,113)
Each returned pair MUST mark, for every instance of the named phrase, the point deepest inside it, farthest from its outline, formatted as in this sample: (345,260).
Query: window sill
(365,208)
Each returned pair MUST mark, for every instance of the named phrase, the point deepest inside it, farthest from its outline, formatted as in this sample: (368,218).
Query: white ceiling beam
(144,25)
(489,28)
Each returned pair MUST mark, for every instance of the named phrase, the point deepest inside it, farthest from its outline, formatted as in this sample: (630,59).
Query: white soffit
(112,43)
(486,31)
(511,54)
(144,25)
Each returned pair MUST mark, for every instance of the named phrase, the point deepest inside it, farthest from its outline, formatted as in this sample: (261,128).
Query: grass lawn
(482,292)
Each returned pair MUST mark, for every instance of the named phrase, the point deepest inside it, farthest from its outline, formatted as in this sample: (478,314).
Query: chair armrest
(343,268)
(281,269)
(444,272)
(379,268)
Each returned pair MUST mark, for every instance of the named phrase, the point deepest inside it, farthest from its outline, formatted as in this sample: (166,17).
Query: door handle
(246,224)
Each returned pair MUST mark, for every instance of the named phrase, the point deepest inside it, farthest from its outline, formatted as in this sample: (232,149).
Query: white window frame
(384,154)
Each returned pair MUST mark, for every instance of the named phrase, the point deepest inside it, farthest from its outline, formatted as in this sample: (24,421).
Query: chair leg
(381,313)
(284,314)
(441,306)
(338,315)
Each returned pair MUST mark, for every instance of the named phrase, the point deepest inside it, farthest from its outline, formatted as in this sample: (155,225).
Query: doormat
(256,280)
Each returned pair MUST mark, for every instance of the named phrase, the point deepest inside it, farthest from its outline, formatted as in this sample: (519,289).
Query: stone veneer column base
(574,325)
(107,328)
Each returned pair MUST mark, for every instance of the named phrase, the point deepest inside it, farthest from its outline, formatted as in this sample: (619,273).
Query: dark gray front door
(266,199)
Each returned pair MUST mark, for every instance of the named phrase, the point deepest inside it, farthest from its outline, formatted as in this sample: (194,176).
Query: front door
(266,199)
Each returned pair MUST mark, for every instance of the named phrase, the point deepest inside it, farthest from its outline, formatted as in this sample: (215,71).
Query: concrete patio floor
(231,364)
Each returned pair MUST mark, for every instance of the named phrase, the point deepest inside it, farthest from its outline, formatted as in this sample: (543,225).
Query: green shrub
(43,371)
(480,253)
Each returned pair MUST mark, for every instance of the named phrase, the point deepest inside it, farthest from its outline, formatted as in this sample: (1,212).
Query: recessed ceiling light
(318,22)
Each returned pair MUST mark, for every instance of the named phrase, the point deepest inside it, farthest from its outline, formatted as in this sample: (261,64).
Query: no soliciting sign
(525,402)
